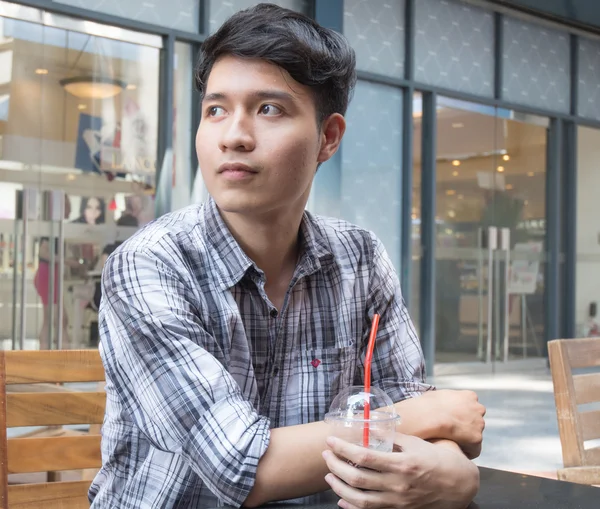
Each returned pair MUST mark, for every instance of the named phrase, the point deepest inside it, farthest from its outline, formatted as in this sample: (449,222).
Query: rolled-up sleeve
(398,367)
(156,354)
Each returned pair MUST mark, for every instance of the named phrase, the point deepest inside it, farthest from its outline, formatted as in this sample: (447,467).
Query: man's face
(258,142)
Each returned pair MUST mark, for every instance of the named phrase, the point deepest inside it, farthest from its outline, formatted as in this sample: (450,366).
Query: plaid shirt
(200,365)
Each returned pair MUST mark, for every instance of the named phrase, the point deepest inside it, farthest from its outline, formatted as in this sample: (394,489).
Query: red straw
(368,359)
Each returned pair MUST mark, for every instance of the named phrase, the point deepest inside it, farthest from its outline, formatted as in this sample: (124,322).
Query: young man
(228,328)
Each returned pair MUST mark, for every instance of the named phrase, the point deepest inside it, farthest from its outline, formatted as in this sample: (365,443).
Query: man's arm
(293,465)
(445,415)
(161,362)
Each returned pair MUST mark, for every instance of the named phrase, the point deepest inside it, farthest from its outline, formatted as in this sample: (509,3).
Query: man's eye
(215,111)
(269,110)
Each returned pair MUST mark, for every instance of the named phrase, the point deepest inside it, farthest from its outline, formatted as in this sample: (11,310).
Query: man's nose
(238,133)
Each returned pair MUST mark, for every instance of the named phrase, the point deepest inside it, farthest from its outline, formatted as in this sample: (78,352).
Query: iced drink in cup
(346,417)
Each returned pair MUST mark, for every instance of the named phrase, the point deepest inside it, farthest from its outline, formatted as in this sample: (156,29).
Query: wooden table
(507,490)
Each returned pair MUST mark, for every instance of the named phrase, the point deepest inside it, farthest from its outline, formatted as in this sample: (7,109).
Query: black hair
(313,55)
(84,204)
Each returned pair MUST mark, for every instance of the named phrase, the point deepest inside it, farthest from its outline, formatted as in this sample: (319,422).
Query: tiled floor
(521,430)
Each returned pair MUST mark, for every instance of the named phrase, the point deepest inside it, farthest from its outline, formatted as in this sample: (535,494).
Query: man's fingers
(353,496)
(472,451)
(403,442)
(360,456)
(361,478)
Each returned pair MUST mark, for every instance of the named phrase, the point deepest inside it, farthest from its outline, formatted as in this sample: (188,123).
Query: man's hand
(421,475)
(452,415)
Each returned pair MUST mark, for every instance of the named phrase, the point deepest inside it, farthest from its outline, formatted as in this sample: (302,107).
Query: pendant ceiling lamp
(93,87)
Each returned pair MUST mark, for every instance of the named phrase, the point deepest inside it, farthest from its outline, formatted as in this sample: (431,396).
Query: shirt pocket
(317,376)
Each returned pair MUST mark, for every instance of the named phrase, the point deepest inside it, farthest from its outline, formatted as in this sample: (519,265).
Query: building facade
(471,148)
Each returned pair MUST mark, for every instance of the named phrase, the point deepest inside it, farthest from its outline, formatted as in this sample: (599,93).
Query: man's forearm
(451,415)
(293,464)
(418,420)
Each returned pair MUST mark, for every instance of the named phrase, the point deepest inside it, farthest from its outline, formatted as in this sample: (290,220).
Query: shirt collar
(233,263)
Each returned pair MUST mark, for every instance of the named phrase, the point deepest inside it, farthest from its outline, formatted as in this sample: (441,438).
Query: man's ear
(332,131)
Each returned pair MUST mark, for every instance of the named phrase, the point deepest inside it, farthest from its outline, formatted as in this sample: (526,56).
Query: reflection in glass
(179,14)
(491,172)
(182,126)
(415,233)
(588,237)
(78,113)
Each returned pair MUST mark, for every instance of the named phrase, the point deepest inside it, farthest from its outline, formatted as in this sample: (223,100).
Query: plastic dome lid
(350,404)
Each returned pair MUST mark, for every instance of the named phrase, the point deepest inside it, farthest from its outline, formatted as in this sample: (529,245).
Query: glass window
(220,11)
(588,235)
(183,135)
(454,46)
(589,79)
(375,29)
(179,14)
(415,233)
(490,172)
(80,116)
(372,178)
(536,65)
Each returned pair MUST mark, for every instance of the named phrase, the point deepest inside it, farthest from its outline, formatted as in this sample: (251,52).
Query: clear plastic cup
(346,417)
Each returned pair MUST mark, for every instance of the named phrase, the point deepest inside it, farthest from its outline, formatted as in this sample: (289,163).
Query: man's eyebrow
(258,94)
(215,96)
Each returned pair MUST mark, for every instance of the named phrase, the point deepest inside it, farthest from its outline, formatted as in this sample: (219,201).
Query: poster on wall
(87,150)
(525,268)
(130,147)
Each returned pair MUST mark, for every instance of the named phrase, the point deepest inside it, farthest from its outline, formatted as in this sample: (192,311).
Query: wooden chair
(575,427)
(56,450)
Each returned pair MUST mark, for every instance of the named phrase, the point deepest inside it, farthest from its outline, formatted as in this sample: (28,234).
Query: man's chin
(237,203)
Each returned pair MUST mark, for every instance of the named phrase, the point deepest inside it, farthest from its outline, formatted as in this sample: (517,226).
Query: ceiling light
(457,125)
(81,106)
(500,169)
(455,174)
(92,87)
(530,174)
(450,192)
(506,157)
(131,86)
(456,162)
(41,71)
(451,213)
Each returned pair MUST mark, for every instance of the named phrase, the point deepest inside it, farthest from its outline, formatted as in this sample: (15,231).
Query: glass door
(490,204)
(78,146)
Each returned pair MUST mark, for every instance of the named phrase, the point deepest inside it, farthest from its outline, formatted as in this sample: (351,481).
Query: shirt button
(274,313)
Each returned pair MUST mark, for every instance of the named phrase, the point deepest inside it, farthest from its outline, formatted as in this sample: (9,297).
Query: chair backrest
(576,426)
(48,405)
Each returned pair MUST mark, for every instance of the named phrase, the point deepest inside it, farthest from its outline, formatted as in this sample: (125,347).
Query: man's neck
(270,241)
